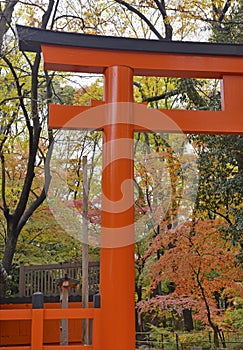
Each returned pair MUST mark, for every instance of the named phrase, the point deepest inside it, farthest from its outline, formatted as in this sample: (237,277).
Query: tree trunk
(10,247)
(216,332)
(5,18)
(3,277)
(138,315)
(188,322)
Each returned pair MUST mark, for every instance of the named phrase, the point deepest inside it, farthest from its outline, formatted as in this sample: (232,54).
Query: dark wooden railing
(42,278)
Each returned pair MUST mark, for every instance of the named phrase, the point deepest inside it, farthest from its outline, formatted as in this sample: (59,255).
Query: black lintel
(30,39)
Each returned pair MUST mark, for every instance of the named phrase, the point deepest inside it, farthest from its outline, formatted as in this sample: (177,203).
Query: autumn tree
(22,112)
(203,268)
(6,12)
(26,144)
(220,157)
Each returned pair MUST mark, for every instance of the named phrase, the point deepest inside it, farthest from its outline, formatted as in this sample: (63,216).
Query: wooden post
(85,256)
(64,283)
(21,280)
(64,322)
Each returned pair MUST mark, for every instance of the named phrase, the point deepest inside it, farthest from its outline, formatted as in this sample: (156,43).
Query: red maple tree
(201,264)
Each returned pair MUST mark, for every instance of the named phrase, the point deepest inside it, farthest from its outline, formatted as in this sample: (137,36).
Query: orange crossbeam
(197,122)
(67,347)
(16,348)
(227,121)
(73,59)
(49,314)
(8,315)
(57,314)
(50,347)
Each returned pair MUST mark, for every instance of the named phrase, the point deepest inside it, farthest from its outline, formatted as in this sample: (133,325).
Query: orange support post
(232,99)
(37,329)
(96,343)
(117,235)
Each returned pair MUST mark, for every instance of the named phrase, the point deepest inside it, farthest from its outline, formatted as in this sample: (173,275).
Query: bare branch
(19,90)
(3,186)
(168,27)
(157,97)
(47,14)
(162,96)
(5,18)
(224,10)
(145,19)
(40,199)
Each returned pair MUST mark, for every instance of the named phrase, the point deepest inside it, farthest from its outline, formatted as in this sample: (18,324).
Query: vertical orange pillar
(37,329)
(233,96)
(117,235)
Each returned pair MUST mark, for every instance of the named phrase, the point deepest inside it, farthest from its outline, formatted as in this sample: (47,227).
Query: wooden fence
(42,278)
(37,318)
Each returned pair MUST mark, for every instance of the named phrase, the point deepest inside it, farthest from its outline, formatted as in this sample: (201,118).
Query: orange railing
(37,317)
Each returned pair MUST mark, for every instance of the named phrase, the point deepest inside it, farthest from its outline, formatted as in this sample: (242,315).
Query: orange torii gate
(119,59)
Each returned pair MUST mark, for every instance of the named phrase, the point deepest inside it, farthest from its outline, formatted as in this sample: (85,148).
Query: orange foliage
(200,263)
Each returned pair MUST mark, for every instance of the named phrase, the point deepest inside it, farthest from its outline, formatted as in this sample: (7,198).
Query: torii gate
(119,59)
